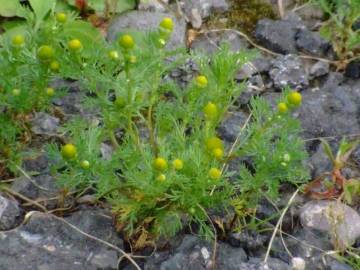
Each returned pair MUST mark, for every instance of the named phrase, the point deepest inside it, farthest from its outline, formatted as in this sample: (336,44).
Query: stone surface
(44,124)
(278,36)
(10,214)
(196,254)
(304,243)
(45,242)
(44,187)
(319,163)
(353,70)
(231,126)
(331,111)
(311,43)
(288,71)
(340,221)
(211,41)
(145,21)
(152,5)
(252,242)
(197,10)
(319,69)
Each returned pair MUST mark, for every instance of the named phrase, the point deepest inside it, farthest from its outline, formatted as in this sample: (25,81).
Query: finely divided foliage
(168,165)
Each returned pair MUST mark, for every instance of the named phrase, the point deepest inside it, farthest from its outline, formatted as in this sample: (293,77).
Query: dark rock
(320,68)
(333,264)
(231,126)
(251,241)
(44,187)
(10,214)
(46,242)
(353,70)
(278,36)
(145,21)
(196,254)
(311,43)
(331,111)
(304,243)
(44,124)
(288,71)
(319,162)
(37,163)
(355,155)
(210,42)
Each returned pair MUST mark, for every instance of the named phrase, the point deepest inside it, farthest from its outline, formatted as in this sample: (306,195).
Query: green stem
(113,139)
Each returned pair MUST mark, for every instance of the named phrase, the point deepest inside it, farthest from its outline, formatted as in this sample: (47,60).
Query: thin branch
(278,224)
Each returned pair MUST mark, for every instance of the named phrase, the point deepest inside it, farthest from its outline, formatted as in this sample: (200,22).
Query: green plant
(29,58)
(169,166)
(338,29)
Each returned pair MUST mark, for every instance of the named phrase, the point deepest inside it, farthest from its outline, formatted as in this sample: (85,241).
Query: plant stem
(113,139)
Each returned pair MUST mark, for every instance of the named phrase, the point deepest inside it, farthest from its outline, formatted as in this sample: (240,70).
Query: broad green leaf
(41,8)
(8,8)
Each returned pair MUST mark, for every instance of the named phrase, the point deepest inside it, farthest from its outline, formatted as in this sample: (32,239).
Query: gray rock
(257,264)
(196,254)
(231,126)
(152,5)
(319,162)
(36,163)
(197,10)
(355,155)
(305,243)
(211,41)
(10,214)
(278,36)
(44,124)
(340,221)
(320,68)
(44,187)
(330,111)
(46,242)
(251,241)
(288,71)
(145,21)
(311,43)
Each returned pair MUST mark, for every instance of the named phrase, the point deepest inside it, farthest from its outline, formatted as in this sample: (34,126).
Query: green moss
(243,15)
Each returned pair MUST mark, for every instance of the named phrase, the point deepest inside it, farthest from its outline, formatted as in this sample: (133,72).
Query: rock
(311,15)
(288,71)
(319,162)
(37,163)
(320,68)
(257,264)
(145,21)
(355,155)
(184,74)
(210,42)
(44,124)
(305,243)
(46,242)
(196,254)
(44,187)
(311,43)
(252,242)
(330,111)
(353,70)
(152,5)
(10,214)
(278,36)
(197,10)
(231,126)
(340,221)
